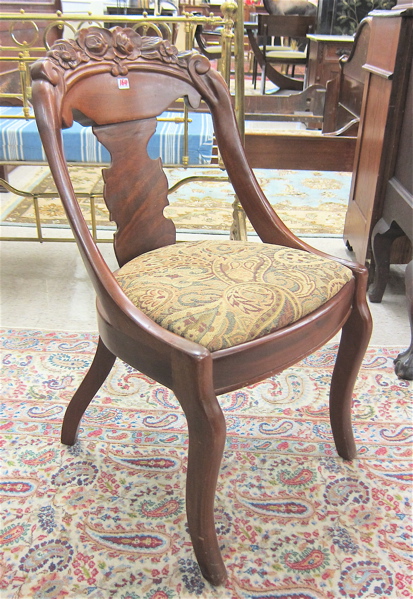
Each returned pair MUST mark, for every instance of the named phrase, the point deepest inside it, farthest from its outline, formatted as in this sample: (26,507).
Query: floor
(45,286)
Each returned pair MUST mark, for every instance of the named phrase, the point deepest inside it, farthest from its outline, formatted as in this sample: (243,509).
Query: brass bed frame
(24,52)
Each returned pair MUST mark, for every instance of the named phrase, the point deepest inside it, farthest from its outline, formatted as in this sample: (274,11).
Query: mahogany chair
(202,318)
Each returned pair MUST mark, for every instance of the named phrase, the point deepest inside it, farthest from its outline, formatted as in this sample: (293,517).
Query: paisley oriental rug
(106,518)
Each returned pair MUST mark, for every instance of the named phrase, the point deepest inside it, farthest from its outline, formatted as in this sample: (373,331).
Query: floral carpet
(310,203)
(106,517)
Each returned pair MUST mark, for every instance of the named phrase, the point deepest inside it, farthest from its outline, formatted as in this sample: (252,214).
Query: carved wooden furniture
(279,26)
(381,197)
(324,53)
(201,318)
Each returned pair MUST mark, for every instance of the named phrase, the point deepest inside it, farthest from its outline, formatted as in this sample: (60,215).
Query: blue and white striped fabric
(20,140)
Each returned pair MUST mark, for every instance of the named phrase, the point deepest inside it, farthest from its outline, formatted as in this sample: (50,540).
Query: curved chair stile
(166,311)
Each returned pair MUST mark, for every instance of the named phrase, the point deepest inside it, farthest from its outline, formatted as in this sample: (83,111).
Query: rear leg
(94,379)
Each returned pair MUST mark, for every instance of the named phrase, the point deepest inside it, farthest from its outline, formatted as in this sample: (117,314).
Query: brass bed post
(228,9)
(239,69)
(24,58)
(239,221)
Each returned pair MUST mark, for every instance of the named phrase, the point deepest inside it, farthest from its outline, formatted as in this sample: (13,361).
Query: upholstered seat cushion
(285,54)
(214,49)
(221,294)
(276,48)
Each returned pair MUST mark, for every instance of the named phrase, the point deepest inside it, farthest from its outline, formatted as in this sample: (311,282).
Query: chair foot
(207,431)
(94,379)
(355,337)
(204,459)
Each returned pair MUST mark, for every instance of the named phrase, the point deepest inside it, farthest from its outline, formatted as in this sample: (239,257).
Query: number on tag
(123,83)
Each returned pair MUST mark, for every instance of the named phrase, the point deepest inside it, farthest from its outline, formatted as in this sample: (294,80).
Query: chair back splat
(296,26)
(201,318)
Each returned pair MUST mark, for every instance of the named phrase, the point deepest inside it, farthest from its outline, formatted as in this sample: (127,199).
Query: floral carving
(65,55)
(118,45)
(96,42)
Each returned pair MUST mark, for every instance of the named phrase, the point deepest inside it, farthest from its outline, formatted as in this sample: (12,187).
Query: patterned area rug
(310,203)
(106,518)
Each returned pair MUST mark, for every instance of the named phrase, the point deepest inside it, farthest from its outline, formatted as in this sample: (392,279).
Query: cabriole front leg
(206,428)
(355,337)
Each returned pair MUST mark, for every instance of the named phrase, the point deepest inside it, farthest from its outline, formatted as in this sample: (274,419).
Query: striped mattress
(20,140)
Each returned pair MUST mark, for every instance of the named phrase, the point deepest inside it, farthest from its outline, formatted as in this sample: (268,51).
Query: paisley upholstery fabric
(221,294)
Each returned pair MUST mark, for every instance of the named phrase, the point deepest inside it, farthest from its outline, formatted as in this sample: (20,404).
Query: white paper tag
(123,83)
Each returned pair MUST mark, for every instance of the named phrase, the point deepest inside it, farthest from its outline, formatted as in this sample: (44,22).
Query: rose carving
(66,55)
(118,45)
(168,52)
(127,43)
(96,42)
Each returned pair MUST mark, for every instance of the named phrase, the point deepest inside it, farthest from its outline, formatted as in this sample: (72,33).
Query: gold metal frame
(233,13)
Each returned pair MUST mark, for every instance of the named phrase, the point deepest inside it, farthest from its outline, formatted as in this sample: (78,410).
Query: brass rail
(24,50)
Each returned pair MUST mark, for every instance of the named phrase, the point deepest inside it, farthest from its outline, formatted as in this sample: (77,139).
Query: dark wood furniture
(381,199)
(279,26)
(124,117)
(383,109)
(392,235)
(338,108)
(344,93)
(300,150)
(324,53)
(136,11)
